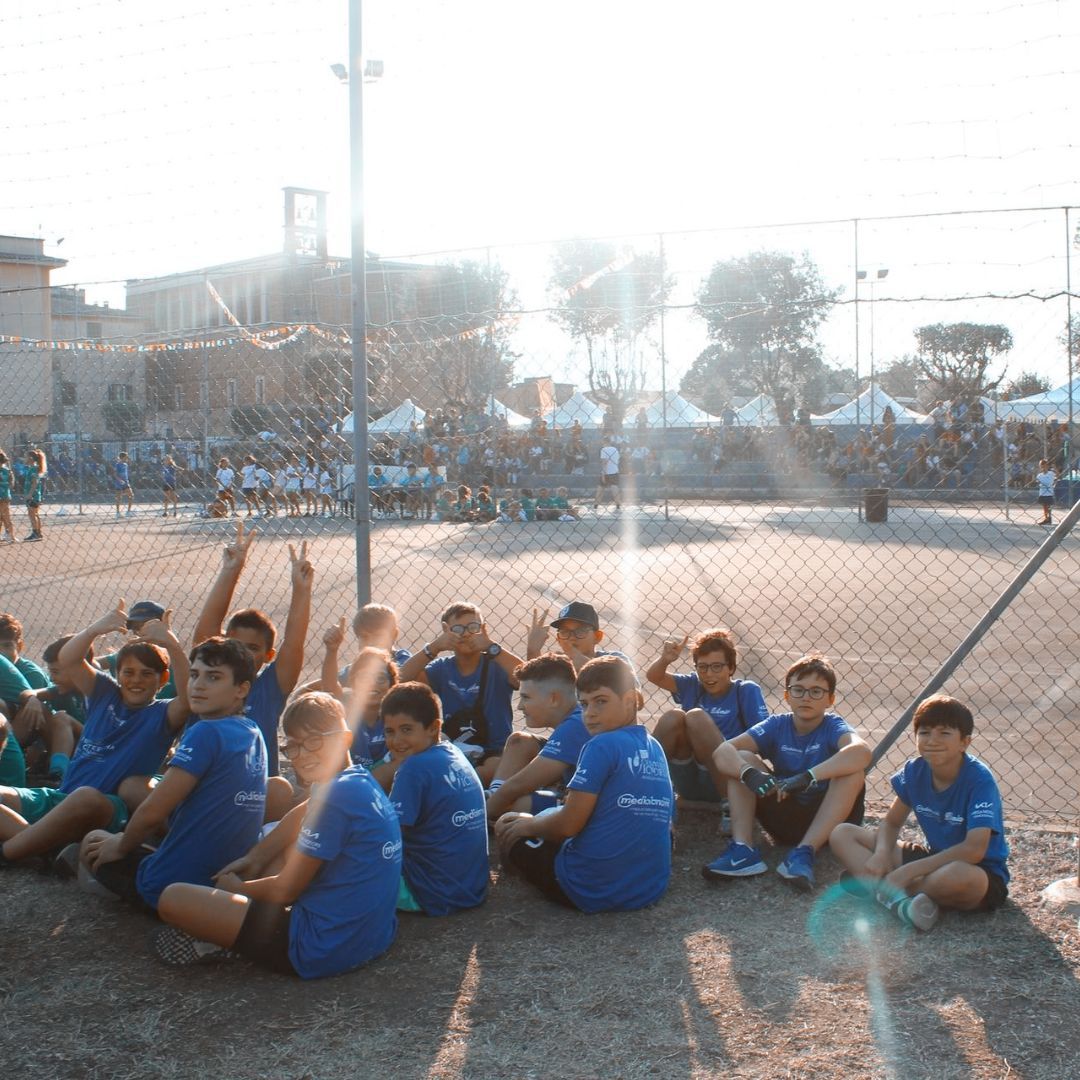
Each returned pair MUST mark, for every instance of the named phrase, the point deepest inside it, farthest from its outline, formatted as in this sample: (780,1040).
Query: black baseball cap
(579,612)
(143,611)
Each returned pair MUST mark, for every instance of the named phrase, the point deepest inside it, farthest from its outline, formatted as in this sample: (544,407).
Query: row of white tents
(671,410)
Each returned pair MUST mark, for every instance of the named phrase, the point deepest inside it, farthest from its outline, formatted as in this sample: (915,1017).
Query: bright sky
(155,137)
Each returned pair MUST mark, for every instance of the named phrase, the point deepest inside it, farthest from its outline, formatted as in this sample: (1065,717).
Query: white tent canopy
(504,412)
(760,412)
(676,410)
(393,423)
(869,408)
(577,407)
(1053,405)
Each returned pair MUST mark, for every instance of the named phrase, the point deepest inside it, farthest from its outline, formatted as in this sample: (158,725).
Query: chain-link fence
(706,429)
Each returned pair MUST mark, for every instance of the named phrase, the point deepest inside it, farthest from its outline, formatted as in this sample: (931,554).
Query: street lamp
(879,275)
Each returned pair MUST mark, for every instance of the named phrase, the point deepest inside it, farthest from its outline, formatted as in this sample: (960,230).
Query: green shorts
(36,802)
(693,782)
(405,899)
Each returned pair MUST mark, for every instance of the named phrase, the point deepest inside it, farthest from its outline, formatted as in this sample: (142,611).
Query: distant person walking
(1046,478)
(34,489)
(609,474)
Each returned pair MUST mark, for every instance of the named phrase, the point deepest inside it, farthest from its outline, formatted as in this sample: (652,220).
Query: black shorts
(609,480)
(167,487)
(786,822)
(248,491)
(264,936)
(1046,501)
(119,877)
(997,890)
(535,861)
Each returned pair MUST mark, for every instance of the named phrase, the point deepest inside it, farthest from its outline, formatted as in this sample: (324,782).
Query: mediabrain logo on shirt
(457,779)
(467,817)
(391,849)
(250,800)
(640,764)
(627,801)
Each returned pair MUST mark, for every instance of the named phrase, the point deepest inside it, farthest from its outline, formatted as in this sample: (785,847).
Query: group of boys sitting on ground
(400,764)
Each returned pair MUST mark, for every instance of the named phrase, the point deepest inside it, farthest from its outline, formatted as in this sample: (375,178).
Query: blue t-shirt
(566,742)
(168,476)
(117,741)
(264,704)
(440,803)
(220,819)
(792,753)
(971,801)
(621,860)
(369,744)
(741,707)
(121,470)
(347,915)
(457,691)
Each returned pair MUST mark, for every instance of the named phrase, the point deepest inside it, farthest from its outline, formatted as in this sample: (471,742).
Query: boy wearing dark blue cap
(577,630)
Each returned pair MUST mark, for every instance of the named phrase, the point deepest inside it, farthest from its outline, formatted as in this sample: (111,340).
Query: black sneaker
(66,863)
(176,948)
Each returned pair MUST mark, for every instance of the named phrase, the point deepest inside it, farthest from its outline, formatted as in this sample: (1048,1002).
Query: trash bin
(876,505)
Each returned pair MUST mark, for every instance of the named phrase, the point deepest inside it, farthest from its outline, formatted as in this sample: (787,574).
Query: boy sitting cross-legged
(277,670)
(475,685)
(318,895)
(530,765)
(127,733)
(714,707)
(211,798)
(958,807)
(439,801)
(815,782)
(608,848)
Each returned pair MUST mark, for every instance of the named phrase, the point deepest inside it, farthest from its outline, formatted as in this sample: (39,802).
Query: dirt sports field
(747,979)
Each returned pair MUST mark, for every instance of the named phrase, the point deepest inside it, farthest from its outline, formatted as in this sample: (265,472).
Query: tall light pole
(879,275)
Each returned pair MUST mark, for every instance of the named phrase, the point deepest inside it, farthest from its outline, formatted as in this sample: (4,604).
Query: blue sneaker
(739,860)
(798,868)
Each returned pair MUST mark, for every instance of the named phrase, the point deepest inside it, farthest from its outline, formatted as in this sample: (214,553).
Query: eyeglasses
(577,635)
(312,744)
(459,630)
(814,693)
(712,669)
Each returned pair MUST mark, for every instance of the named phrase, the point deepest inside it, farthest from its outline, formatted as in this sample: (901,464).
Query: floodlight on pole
(860,276)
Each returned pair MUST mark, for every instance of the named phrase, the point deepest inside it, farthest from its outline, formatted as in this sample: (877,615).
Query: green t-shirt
(12,682)
(37,678)
(5,482)
(529,506)
(12,762)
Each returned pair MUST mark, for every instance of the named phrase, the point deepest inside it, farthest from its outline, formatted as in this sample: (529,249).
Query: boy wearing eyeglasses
(456,679)
(577,630)
(714,706)
(801,773)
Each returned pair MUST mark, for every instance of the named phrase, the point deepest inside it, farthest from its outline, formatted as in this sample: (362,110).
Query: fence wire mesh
(782,464)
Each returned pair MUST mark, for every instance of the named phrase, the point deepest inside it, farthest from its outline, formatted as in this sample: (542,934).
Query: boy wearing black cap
(577,630)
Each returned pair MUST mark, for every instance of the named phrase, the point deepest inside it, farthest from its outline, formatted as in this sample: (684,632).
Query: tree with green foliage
(608,298)
(763,311)
(955,358)
(1024,385)
(123,418)
(900,379)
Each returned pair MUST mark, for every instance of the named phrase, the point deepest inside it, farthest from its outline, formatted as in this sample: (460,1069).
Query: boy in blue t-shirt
(127,733)
(315,897)
(456,679)
(714,706)
(277,670)
(122,482)
(957,804)
(211,799)
(608,848)
(439,801)
(816,780)
(531,766)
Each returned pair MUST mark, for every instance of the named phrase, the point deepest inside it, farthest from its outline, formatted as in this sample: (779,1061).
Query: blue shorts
(36,802)
(693,782)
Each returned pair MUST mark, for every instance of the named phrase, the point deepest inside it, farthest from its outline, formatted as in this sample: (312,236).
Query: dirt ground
(742,979)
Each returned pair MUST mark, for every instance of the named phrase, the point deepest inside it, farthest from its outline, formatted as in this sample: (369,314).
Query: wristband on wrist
(427,652)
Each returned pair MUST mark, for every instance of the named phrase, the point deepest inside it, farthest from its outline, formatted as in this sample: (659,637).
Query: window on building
(120,392)
(230,393)
(67,393)
(260,389)
(94,331)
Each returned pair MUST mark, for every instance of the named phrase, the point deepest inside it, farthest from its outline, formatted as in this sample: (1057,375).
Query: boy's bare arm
(332,641)
(972,849)
(72,657)
(217,603)
(852,757)
(290,657)
(506,659)
(270,847)
(540,773)
(159,632)
(283,888)
(565,822)
(888,835)
(657,673)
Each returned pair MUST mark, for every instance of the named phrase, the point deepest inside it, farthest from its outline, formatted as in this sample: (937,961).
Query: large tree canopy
(955,358)
(607,298)
(763,311)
